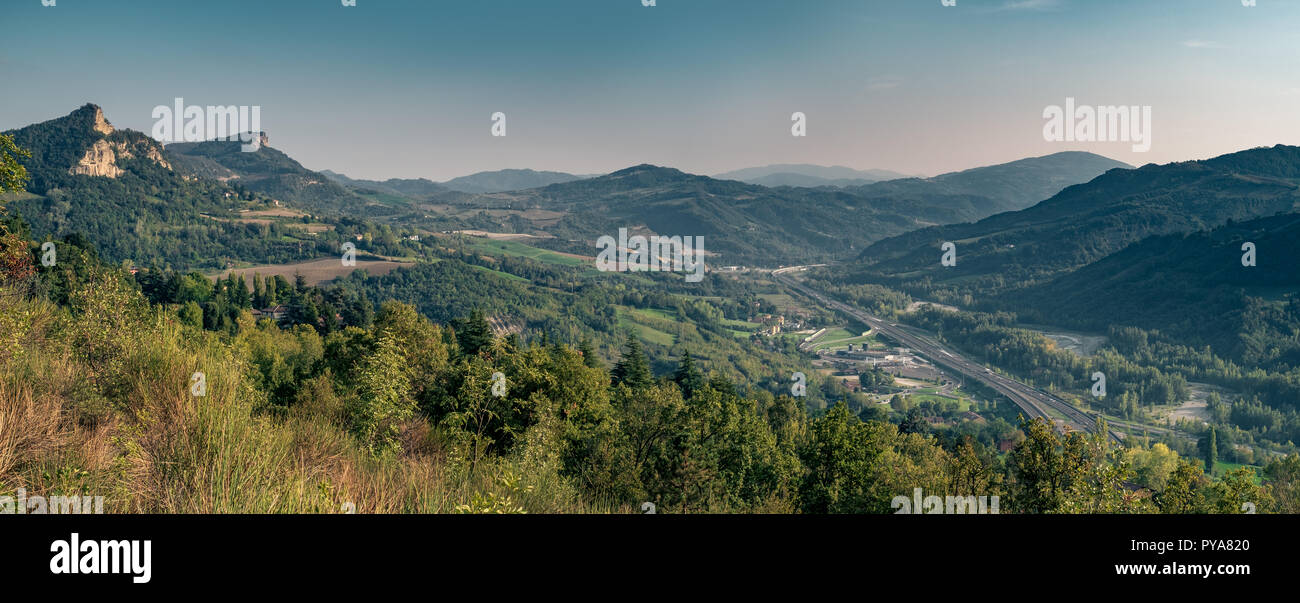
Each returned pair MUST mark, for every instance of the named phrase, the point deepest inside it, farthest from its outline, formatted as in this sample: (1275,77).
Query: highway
(1033,401)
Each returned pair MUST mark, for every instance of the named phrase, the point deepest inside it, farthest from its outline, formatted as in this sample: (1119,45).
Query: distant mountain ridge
(415,188)
(1006,186)
(507,180)
(753,224)
(807,175)
(1087,222)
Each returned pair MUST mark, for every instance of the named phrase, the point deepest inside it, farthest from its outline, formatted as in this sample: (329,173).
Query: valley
(815,281)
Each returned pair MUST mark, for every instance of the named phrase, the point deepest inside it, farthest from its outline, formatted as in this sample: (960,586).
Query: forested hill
(1087,222)
(411,188)
(756,225)
(1194,287)
(120,190)
(267,171)
(507,180)
(1003,187)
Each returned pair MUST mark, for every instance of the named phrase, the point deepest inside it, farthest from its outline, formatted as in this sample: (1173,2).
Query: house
(276,313)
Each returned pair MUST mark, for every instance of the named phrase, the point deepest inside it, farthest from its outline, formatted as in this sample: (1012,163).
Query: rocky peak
(101,124)
(101,158)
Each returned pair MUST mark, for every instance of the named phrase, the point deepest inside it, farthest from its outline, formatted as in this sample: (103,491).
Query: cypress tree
(588,351)
(1211,451)
(474,333)
(633,368)
(688,376)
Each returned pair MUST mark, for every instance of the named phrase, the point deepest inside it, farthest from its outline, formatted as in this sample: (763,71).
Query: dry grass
(152,447)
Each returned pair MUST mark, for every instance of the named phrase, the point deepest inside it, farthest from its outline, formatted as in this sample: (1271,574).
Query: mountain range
(758,225)
(79,154)
(1086,222)
(807,175)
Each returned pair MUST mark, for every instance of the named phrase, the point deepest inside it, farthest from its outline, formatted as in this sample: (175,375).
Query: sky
(407,88)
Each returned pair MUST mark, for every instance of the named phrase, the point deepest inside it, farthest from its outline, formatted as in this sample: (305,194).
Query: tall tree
(383,397)
(1211,450)
(588,351)
(633,368)
(474,333)
(688,376)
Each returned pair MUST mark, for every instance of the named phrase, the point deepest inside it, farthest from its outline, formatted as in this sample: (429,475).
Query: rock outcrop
(101,158)
(101,125)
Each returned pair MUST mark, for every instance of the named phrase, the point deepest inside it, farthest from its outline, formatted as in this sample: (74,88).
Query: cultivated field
(316,271)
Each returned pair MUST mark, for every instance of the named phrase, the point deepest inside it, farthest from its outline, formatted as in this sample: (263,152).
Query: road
(1033,401)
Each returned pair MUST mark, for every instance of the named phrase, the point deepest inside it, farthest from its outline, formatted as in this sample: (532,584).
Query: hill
(410,188)
(757,225)
(1002,187)
(1085,223)
(808,175)
(267,171)
(1193,287)
(506,180)
(119,189)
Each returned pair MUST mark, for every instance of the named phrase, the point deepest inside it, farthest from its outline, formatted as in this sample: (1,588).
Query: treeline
(217,306)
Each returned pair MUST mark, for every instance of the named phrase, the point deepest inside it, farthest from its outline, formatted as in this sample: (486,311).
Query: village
(882,373)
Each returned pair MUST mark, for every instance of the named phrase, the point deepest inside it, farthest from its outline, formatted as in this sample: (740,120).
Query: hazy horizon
(401,89)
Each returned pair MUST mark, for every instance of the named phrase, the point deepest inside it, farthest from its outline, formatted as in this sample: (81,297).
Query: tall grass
(122,423)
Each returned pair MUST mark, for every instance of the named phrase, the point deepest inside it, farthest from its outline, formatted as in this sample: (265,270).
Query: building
(275,313)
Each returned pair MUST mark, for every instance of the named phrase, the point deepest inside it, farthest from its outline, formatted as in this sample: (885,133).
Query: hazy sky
(406,88)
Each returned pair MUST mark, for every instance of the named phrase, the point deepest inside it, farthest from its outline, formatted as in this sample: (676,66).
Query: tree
(1045,468)
(633,369)
(1154,466)
(1283,475)
(1183,490)
(13,176)
(589,358)
(191,314)
(1210,447)
(383,401)
(474,333)
(914,423)
(688,377)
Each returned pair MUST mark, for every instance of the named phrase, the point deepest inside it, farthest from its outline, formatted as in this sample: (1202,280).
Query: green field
(839,338)
(636,319)
(1221,468)
(505,275)
(740,324)
(654,313)
(516,248)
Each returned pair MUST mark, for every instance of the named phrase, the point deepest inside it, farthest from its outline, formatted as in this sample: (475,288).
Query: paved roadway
(1034,402)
